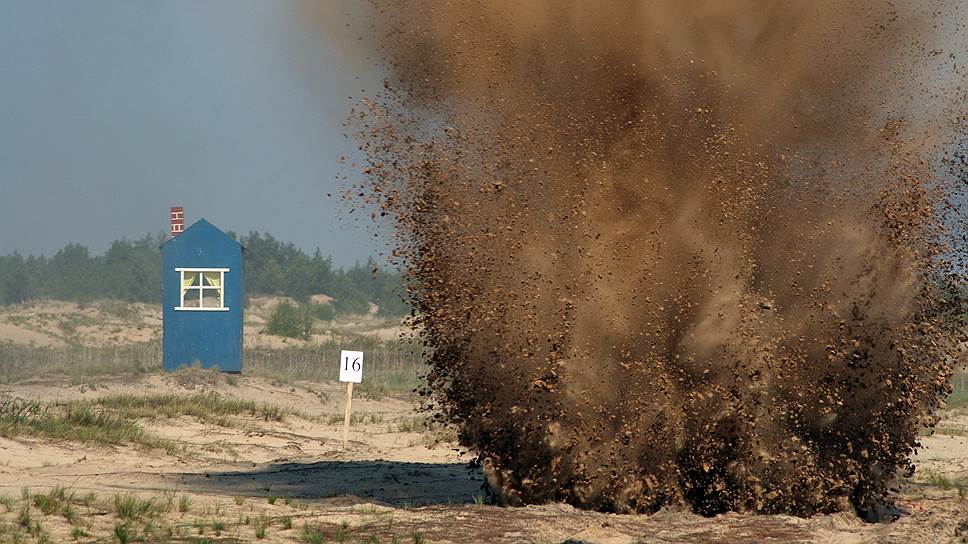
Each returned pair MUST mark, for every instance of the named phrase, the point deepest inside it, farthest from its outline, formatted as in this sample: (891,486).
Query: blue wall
(212,338)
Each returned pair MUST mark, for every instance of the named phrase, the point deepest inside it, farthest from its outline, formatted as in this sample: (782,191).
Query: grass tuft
(52,501)
(123,533)
(184,504)
(260,527)
(23,517)
(313,535)
(130,507)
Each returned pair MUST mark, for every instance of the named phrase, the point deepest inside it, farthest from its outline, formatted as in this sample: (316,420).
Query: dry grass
(936,479)
(206,407)
(39,517)
(112,420)
(78,422)
(958,399)
(392,367)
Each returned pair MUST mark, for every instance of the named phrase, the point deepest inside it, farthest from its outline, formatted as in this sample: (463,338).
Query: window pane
(191,297)
(212,279)
(211,298)
(189,279)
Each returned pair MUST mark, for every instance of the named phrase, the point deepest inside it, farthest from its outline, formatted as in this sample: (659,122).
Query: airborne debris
(598,315)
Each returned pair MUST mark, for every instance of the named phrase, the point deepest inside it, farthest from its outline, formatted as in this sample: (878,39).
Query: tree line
(131,270)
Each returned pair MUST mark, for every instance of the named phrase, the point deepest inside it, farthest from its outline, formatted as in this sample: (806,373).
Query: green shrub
(290,321)
(350,301)
(323,312)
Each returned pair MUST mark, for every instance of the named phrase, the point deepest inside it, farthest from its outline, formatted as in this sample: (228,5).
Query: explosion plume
(676,252)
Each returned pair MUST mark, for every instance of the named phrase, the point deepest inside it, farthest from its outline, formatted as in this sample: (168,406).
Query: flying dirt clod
(677,253)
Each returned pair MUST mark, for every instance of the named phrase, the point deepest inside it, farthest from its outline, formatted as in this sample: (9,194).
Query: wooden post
(349,413)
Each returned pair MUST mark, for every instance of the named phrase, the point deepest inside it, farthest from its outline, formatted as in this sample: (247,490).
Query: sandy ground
(22,335)
(388,484)
(112,323)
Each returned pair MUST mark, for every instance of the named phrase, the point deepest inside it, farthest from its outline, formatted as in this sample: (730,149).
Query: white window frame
(181,290)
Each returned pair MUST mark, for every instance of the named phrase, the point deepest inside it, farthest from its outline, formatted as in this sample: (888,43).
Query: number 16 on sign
(350,371)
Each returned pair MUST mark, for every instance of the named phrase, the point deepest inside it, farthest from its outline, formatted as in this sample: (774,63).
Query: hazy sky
(113,110)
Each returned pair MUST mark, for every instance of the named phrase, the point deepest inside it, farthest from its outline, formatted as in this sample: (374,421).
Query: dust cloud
(676,253)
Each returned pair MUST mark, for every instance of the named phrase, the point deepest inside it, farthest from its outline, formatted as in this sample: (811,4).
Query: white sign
(351,366)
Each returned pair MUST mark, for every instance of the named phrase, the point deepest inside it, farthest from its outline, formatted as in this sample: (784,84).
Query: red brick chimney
(177,220)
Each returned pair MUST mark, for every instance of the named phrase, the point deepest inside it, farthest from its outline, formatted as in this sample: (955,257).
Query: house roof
(202,224)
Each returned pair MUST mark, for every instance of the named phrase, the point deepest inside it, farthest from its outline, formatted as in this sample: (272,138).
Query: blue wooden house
(202,297)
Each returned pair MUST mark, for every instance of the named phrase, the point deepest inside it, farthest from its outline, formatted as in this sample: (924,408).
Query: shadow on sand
(386,482)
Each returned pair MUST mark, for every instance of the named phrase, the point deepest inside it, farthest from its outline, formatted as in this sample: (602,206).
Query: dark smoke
(676,252)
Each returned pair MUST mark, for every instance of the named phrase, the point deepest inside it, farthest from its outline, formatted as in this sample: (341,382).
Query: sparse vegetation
(206,407)
(23,518)
(88,500)
(290,321)
(313,535)
(342,531)
(69,513)
(77,421)
(131,507)
(414,424)
(123,532)
(322,312)
(958,399)
(50,502)
(950,431)
(937,479)
(443,434)
(260,527)
(393,367)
